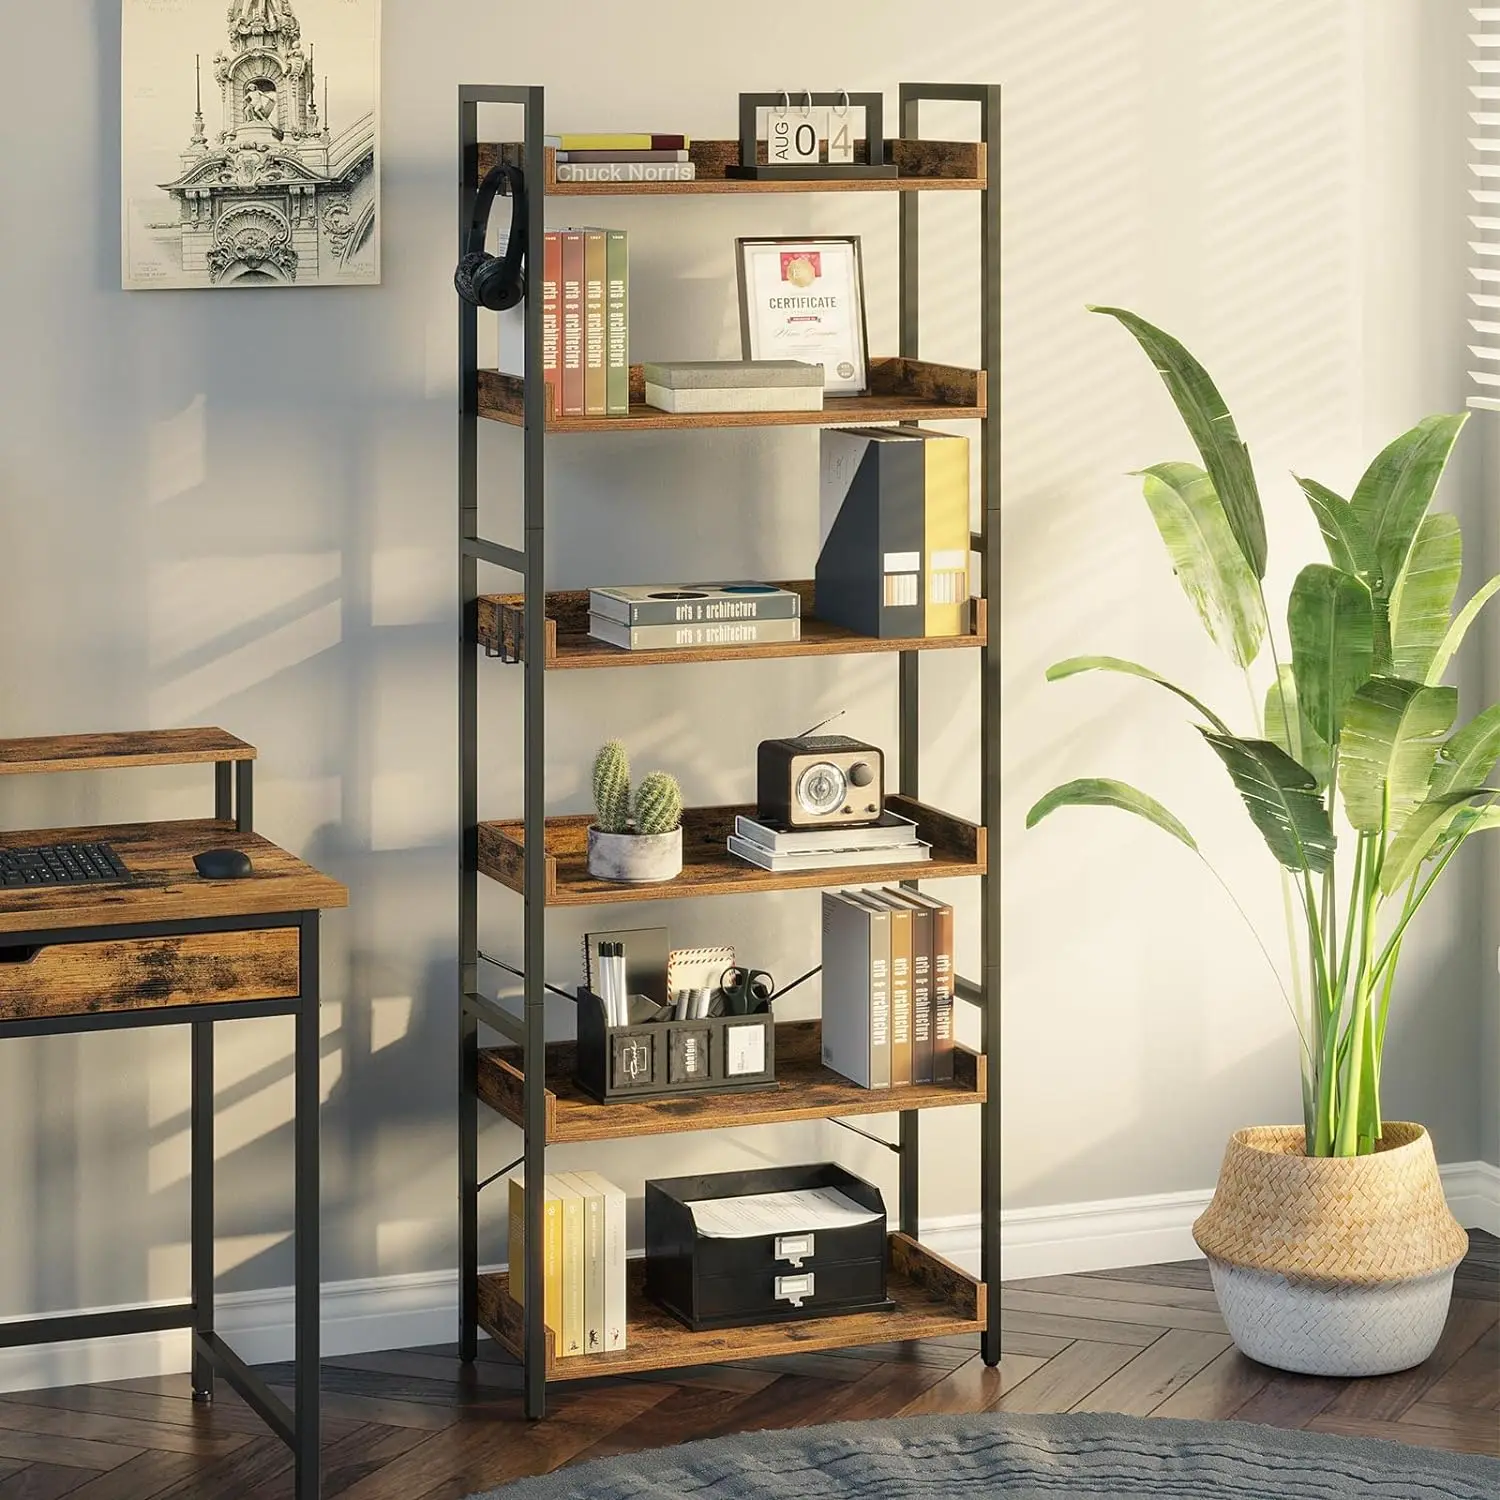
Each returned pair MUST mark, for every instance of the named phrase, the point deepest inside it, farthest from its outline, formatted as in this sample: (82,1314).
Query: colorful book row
(887,987)
(583,1259)
(586,322)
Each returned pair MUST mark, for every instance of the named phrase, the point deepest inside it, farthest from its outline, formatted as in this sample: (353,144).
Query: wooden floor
(413,1426)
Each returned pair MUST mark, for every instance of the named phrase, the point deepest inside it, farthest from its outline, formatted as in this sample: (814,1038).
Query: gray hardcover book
(847,1018)
(694,603)
(872,531)
(719,374)
(883,1042)
(694,637)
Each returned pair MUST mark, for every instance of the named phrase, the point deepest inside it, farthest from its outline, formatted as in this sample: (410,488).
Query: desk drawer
(70,979)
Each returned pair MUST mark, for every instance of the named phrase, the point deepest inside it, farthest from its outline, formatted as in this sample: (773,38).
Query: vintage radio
(819,781)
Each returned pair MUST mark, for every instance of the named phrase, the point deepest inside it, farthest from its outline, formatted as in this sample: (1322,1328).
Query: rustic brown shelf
(933,1297)
(112,752)
(951,166)
(901,390)
(805,1090)
(570,646)
(708,868)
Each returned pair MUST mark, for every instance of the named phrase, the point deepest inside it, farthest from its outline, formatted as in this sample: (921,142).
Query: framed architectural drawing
(250,143)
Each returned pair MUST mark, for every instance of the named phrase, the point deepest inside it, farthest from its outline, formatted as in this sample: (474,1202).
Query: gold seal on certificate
(804,299)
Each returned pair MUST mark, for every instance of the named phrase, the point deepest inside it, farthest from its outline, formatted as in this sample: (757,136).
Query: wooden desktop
(171,947)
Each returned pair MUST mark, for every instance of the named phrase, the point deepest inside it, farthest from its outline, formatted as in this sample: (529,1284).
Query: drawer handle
(794,1248)
(794,1288)
(19,953)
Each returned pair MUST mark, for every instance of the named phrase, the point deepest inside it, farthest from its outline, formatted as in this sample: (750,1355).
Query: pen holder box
(649,1059)
(708,1282)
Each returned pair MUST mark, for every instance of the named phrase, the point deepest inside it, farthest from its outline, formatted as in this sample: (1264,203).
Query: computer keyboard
(61,864)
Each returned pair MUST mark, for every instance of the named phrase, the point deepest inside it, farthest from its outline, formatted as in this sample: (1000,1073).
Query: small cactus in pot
(640,846)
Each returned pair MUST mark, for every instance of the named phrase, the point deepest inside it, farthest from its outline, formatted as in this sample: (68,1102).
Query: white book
(593,1260)
(614,1258)
(736,398)
(828,859)
(572,1266)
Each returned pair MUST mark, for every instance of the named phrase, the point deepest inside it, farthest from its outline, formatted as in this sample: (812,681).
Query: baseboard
(404,1312)
(1076,1237)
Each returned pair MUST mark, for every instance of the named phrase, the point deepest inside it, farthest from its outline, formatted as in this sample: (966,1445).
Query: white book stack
(890,841)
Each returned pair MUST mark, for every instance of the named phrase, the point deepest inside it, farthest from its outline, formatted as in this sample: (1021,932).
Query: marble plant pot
(1332,1265)
(635,857)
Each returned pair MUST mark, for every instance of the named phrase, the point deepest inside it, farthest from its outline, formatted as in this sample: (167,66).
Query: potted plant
(1330,1244)
(640,841)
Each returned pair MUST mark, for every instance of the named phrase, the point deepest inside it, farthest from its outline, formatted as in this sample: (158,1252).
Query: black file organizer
(712,1283)
(649,1059)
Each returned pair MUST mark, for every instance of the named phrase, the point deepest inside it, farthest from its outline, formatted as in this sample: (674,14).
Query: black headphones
(492,281)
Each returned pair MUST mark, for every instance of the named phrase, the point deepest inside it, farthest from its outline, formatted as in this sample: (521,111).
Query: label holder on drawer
(794,1248)
(795,1289)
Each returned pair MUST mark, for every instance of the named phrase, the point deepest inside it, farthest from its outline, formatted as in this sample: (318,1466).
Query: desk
(171,948)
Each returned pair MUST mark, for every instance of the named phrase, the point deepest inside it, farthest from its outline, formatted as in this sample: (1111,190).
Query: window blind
(1485,191)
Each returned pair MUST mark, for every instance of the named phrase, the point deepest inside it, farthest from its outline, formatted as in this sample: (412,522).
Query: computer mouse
(223,864)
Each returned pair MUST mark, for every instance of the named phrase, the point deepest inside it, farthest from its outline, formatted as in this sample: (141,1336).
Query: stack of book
(583,1258)
(586,322)
(887,987)
(688,616)
(891,841)
(712,385)
(626,157)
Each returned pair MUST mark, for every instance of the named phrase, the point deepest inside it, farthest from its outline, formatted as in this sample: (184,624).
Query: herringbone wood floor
(412,1426)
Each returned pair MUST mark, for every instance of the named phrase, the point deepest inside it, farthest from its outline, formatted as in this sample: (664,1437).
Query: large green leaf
(1208,420)
(1206,557)
(1330,618)
(1389,748)
(1460,628)
(1282,799)
(1430,825)
(1301,741)
(1466,759)
(1395,491)
(1076,664)
(1422,599)
(1350,549)
(1103,792)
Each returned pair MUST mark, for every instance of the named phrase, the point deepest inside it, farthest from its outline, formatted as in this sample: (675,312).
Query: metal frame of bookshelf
(530,855)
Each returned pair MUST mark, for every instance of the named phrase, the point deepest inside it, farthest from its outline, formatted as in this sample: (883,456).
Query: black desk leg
(202,1188)
(307,1354)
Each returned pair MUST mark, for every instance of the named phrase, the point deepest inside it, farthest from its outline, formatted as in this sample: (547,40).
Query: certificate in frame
(804,298)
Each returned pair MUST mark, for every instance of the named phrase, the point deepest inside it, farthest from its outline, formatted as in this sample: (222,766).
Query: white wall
(239,509)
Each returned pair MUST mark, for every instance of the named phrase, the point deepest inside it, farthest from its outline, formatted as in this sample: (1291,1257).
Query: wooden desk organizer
(654,1058)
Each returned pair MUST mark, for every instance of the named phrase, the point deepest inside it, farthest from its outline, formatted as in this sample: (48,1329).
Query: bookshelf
(543,859)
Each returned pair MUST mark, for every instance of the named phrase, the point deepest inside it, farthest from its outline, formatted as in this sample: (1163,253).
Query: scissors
(746,991)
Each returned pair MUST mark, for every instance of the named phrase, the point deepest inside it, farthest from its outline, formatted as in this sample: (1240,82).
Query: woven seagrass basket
(1332,1265)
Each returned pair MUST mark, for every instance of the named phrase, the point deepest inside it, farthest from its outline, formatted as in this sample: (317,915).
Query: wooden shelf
(113,752)
(901,390)
(805,1090)
(709,869)
(933,1297)
(951,166)
(570,646)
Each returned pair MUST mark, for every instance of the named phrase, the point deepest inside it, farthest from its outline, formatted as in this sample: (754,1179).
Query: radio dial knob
(861,773)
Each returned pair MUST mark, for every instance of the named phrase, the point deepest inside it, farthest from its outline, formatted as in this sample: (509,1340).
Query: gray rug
(1025,1458)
